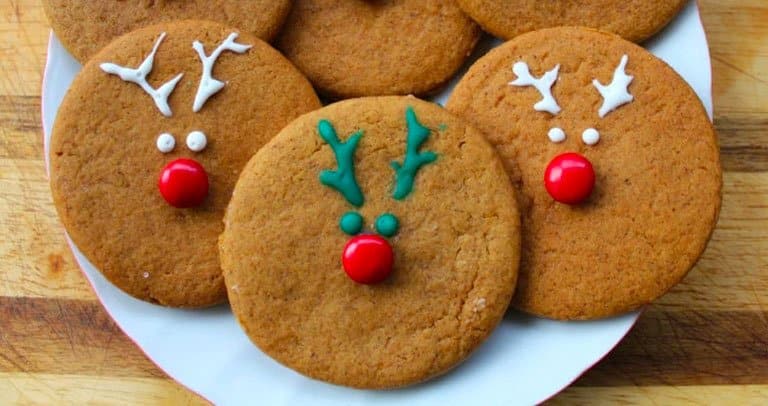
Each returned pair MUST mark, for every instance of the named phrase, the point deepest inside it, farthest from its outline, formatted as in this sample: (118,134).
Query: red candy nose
(368,259)
(569,178)
(183,183)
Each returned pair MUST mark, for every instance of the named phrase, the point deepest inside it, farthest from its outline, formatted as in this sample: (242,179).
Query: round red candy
(183,183)
(368,259)
(569,178)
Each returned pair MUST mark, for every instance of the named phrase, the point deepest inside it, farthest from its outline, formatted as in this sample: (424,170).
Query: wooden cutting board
(705,342)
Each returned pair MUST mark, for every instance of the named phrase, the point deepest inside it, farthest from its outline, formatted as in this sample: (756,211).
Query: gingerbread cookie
(635,20)
(147,146)
(351,48)
(615,160)
(373,243)
(86,26)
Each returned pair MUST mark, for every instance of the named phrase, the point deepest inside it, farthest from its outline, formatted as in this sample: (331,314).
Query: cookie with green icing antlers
(373,243)
(147,146)
(615,160)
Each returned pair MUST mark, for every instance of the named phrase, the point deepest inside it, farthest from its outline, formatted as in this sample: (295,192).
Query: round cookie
(113,138)
(653,153)
(635,20)
(352,48)
(453,226)
(84,27)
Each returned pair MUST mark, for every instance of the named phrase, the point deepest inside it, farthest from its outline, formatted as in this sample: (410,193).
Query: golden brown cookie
(352,48)
(651,149)
(86,26)
(635,20)
(339,182)
(128,148)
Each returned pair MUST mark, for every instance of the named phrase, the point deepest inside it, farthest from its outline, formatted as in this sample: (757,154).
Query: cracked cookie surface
(634,20)
(354,48)
(84,27)
(456,251)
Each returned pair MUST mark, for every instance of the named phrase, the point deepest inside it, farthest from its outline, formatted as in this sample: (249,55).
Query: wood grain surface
(706,342)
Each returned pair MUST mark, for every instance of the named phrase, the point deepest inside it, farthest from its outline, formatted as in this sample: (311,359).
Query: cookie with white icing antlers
(147,146)
(616,162)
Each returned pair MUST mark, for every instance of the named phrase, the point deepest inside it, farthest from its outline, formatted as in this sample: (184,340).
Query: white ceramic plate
(525,361)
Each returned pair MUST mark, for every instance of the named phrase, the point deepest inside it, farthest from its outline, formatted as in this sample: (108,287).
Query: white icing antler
(208,84)
(616,94)
(543,85)
(139,77)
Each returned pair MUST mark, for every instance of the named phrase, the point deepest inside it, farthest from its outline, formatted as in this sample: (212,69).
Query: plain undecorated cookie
(105,159)
(635,20)
(86,26)
(352,48)
(658,177)
(456,251)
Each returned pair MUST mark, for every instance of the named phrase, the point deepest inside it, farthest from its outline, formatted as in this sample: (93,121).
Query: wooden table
(705,342)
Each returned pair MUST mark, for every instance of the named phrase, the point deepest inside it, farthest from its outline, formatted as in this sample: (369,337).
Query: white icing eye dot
(556,135)
(590,136)
(166,143)
(196,141)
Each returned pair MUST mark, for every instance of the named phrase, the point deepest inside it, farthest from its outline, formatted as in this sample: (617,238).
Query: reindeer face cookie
(148,144)
(615,160)
(372,243)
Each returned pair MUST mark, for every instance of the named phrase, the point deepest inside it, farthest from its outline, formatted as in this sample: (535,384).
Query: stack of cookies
(377,241)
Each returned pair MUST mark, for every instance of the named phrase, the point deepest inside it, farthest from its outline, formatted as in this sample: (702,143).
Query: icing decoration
(139,77)
(368,259)
(183,183)
(342,179)
(590,136)
(543,85)
(405,173)
(351,223)
(196,141)
(208,84)
(556,135)
(569,178)
(166,143)
(387,225)
(616,94)
(479,304)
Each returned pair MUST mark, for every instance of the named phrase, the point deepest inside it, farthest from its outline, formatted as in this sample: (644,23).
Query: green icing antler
(342,179)
(405,173)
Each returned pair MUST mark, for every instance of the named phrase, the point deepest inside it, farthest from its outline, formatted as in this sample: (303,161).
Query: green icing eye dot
(387,225)
(351,223)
